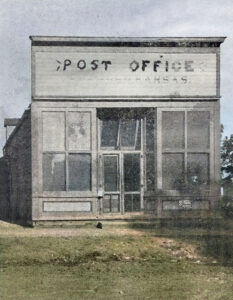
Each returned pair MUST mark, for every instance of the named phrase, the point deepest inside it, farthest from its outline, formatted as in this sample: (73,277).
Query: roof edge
(127,41)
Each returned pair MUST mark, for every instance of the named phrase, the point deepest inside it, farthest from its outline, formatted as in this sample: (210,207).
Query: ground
(124,260)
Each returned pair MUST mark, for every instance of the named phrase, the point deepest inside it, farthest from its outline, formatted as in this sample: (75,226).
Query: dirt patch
(181,250)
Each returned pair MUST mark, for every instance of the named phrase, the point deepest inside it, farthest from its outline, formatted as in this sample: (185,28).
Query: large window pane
(109,133)
(173,171)
(198,168)
(79,130)
(130,133)
(198,131)
(111,173)
(132,172)
(54,172)
(53,131)
(173,129)
(80,172)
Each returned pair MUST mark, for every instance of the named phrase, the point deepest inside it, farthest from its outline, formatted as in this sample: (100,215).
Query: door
(122,182)
(111,183)
(131,186)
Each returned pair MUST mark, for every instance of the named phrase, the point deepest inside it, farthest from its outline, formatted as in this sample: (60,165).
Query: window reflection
(198,168)
(54,172)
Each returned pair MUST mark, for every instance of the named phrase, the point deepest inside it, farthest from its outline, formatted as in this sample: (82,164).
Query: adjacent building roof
(17,125)
(11,122)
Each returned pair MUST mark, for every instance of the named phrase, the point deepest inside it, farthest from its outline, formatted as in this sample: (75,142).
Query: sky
(135,18)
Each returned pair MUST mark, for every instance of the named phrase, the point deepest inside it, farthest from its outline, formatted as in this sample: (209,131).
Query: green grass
(121,261)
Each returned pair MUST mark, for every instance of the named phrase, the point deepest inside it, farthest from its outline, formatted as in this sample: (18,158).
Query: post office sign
(123,74)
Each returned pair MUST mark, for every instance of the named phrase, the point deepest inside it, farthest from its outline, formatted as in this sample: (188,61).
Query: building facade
(118,128)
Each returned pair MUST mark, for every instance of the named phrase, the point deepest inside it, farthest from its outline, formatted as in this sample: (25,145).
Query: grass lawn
(120,261)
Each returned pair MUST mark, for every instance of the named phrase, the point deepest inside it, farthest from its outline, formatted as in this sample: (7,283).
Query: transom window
(120,129)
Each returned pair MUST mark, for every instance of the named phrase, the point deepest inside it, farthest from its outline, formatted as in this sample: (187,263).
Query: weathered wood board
(123,74)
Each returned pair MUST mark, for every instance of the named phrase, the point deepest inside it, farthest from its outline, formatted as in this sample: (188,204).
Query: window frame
(93,152)
(152,112)
(185,150)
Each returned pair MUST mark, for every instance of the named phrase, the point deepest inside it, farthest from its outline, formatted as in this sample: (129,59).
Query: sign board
(123,74)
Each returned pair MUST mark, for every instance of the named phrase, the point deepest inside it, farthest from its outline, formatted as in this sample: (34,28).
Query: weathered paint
(123,73)
(60,206)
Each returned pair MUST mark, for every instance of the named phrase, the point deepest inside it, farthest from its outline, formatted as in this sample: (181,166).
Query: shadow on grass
(213,238)
(21,223)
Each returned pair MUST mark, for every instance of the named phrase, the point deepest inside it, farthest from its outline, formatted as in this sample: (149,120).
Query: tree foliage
(227,159)
(226,202)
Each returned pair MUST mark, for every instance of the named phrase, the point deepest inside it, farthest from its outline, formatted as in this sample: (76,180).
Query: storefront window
(66,159)
(185,149)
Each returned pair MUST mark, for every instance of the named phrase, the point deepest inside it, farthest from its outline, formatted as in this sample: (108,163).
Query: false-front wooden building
(117,128)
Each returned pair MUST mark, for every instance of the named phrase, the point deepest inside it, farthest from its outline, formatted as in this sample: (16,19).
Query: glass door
(131,185)
(111,183)
(122,182)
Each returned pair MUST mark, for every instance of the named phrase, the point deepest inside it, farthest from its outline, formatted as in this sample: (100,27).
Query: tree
(227,175)
(227,159)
